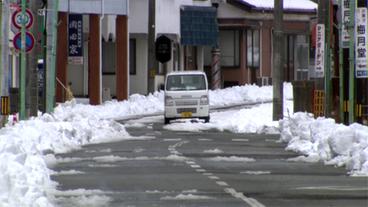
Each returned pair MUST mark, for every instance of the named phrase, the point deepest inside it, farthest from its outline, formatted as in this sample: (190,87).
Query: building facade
(245,41)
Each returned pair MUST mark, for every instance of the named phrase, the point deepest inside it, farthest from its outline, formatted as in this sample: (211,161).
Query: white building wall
(138,16)
(138,82)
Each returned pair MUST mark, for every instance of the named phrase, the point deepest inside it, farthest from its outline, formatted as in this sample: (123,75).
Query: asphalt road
(165,168)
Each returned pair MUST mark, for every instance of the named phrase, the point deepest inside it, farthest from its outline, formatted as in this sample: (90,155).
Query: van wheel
(167,120)
(207,119)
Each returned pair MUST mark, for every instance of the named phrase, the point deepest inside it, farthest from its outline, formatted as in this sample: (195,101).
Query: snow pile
(136,105)
(25,178)
(322,139)
(245,94)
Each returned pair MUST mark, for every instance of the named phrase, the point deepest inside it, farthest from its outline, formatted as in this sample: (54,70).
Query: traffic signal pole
(51,26)
(22,78)
(328,88)
(278,61)
(341,71)
(352,63)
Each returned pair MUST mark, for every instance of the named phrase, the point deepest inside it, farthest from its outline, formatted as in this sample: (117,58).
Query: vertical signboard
(75,39)
(361,43)
(320,51)
(345,16)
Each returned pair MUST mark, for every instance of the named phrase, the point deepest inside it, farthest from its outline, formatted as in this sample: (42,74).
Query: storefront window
(253,49)
(229,47)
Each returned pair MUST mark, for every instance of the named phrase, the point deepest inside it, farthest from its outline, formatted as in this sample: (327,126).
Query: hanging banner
(361,43)
(320,51)
(75,39)
(345,18)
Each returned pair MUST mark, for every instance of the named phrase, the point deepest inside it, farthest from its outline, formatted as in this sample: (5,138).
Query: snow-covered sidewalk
(26,146)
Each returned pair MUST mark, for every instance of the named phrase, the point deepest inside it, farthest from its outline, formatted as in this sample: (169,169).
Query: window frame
(236,34)
(251,42)
(132,56)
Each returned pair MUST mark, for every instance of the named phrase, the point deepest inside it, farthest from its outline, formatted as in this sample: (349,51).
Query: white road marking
(240,140)
(256,172)
(250,201)
(337,188)
(172,140)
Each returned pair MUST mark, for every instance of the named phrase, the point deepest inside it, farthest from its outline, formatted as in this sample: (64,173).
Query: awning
(198,26)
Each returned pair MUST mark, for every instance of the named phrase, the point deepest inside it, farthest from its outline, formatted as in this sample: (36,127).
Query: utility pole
(352,63)
(22,78)
(51,26)
(328,88)
(152,63)
(278,61)
(341,69)
(4,59)
(32,63)
(1,32)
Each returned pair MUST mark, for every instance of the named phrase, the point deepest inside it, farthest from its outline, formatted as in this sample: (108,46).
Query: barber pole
(216,69)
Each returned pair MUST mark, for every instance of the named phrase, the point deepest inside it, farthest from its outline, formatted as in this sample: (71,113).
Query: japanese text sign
(361,43)
(320,51)
(75,39)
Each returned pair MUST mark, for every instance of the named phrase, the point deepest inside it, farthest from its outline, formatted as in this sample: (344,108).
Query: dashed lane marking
(251,201)
(240,140)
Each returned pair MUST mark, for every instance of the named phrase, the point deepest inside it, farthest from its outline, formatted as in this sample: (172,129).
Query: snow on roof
(288,4)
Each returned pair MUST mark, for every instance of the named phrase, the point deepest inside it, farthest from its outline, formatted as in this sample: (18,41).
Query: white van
(186,96)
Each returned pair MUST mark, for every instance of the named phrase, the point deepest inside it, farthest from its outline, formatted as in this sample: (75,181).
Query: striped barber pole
(216,69)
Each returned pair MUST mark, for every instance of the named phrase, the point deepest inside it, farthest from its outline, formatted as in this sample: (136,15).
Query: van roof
(186,72)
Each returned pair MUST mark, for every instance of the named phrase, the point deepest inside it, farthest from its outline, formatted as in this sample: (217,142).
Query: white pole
(5,48)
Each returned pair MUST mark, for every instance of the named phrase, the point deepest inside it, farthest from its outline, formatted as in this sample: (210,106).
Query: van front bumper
(201,111)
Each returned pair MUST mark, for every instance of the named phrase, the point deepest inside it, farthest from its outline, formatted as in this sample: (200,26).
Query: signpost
(361,43)
(345,13)
(163,49)
(18,19)
(30,41)
(75,39)
(320,51)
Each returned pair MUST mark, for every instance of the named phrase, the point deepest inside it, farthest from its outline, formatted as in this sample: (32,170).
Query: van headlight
(203,100)
(169,101)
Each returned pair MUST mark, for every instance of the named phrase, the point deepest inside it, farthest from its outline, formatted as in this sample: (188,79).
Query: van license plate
(186,114)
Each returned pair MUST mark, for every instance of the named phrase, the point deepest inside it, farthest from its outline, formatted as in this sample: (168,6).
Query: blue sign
(30,41)
(75,39)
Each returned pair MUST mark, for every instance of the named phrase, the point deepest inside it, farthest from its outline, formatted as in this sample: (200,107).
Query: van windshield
(185,82)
